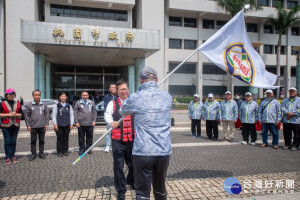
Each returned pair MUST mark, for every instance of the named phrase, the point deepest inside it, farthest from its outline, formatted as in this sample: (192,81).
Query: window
(268,29)
(208,24)
(293,71)
(268,49)
(182,90)
(274,3)
(190,44)
(174,44)
(218,91)
(282,50)
(251,27)
(89,13)
(209,68)
(187,68)
(220,24)
(174,21)
(294,52)
(295,30)
(264,2)
(190,22)
(272,69)
(241,90)
(291,4)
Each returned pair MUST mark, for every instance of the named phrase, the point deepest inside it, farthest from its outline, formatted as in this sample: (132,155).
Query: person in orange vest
(10,113)
(122,136)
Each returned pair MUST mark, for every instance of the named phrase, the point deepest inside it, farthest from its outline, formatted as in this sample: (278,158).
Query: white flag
(231,50)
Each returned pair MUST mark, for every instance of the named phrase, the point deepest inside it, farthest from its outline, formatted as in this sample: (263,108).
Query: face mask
(237,98)
(265,96)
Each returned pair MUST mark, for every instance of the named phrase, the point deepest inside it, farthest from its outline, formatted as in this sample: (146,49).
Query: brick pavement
(198,168)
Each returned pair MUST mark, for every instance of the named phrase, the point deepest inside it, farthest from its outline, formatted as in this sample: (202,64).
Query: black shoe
(121,197)
(80,152)
(214,138)
(66,154)
(42,156)
(32,157)
(90,152)
(60,155)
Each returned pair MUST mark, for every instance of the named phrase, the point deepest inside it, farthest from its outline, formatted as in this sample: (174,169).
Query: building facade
(76,45)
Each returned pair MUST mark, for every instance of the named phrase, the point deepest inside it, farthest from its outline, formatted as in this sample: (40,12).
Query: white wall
(152,18)
(20,60)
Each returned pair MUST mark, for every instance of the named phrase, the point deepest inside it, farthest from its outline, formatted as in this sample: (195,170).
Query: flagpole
(120,120)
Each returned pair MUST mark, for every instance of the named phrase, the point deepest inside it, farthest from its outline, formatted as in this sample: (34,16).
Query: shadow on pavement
(104,182)
(2,184)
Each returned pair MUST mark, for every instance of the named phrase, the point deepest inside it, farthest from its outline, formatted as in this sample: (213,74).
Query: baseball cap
(210,95)
(248,93)
(269,91)
(146,71)
(227,92)
(196,95)
(293,88)
(9,91)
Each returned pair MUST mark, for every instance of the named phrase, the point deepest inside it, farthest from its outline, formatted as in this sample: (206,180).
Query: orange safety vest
(9,121)
(124,133)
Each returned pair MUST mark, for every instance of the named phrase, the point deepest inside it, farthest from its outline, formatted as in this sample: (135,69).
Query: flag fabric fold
(231,50)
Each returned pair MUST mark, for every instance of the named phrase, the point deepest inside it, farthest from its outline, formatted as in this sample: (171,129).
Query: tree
(284,19)
(233,7)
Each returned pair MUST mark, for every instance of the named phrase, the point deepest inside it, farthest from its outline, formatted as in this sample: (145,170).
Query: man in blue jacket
(291,120)
(270,117)
(152,144)
(195,110)
(229,115)
(248,113)
(211,114)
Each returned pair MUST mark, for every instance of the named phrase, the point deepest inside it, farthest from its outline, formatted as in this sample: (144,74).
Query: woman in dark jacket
(63,120)
(10,114)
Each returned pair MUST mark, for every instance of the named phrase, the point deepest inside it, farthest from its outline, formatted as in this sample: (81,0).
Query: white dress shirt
(108,115)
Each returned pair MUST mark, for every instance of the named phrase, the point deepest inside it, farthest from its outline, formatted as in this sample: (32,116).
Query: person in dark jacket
(85,115)
(112,95)
(11,113)
(63,120)
(37,122)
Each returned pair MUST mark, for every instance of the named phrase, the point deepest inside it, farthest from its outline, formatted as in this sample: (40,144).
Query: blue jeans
(274,130)
(108,136)
(10,140)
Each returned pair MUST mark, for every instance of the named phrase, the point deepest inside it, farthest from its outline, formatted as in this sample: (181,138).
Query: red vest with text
(9,121)
(124,133)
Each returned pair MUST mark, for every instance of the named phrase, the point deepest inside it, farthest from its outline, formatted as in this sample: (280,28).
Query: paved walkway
(198,169)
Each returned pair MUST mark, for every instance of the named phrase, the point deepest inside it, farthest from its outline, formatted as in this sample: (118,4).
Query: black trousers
(149,169)
(249,129)
(288,130)
(85,132)
(212,128)
(37,133)
(122,151)
(62,144)
(196,123)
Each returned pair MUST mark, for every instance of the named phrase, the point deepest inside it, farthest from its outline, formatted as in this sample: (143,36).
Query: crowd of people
(270,114)
(141,140)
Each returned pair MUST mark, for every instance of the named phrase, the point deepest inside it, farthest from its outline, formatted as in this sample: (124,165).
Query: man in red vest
(122,136)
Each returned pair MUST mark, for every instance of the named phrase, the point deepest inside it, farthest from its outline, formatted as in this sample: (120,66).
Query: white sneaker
(253,143)
(244,142)
(106,149)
